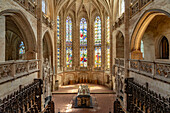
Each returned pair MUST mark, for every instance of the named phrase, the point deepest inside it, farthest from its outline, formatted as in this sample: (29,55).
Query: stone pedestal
(136,55)
(2,38)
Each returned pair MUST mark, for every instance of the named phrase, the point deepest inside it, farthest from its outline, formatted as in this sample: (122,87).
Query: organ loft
(84,56)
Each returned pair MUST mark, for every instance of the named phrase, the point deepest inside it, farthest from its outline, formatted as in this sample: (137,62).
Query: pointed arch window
(142,48)
(43,6)
(68,42)
(58,42)
(97,44)
(108,43)
(121,7)
(83,43)
(164,48)
(21,48)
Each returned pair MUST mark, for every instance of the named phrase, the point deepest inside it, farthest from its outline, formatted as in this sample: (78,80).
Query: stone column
(2,38)
(111,51)
(55,49)
(39,37)
(126,45)
(62,39)
(103,19)
(77,43)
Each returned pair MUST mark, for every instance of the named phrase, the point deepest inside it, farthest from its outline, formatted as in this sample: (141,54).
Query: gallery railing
(28,5)
(137,5)
(153,69)
(25,100)
(142,100)
(13,69)
(119,62)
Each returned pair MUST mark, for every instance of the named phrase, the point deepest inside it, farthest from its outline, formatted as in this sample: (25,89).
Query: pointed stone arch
(140,29)
(48,48)
(23,29)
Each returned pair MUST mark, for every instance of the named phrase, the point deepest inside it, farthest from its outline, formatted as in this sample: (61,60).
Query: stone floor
(103,96)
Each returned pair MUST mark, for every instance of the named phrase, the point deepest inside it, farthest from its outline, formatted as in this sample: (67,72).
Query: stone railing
(119,62)
(153,69)
(28,5)
(137,5)
(119,22)
(13,69)
(47,21)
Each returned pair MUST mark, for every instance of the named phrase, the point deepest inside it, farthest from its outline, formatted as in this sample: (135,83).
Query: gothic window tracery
(97,44)
(83,43)
(68,42)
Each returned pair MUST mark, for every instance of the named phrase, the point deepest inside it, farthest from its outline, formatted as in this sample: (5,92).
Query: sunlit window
(68,42)
(43,6)
(108,42)
(97,32)
(142,48)
(83,43)
(121,7)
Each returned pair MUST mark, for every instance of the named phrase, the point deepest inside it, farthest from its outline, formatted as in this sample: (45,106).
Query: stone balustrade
(119,62)
(154,69)
(13,69)
(137,5)
(28,5)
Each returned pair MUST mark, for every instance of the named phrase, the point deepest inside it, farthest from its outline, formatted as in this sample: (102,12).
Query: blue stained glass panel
(21,48)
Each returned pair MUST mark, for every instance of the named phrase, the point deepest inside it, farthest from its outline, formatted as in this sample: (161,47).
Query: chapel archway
(119,45)
(47,49)
(145,30)
(20,43)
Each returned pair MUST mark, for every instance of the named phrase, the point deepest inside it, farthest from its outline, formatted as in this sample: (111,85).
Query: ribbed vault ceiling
(86,5)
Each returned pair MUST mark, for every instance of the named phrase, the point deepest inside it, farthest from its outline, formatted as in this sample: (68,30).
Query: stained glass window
(97,56)
(68,42)
(83,32)
(97,33)
(43,6)
(21,48)
(83,43)
(83,57)
(58,41)
(142,48)
(69,56)
(97,25)
(108,42)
